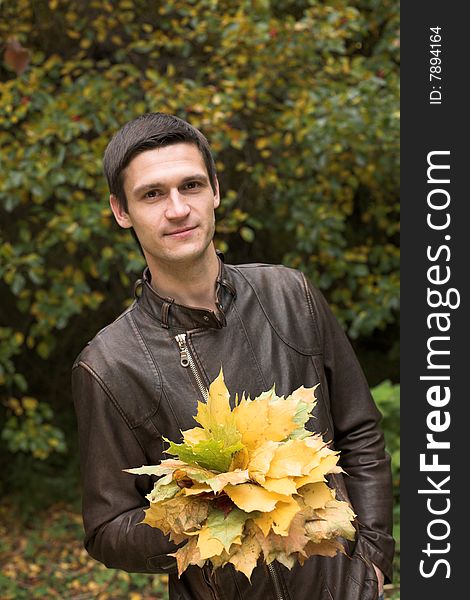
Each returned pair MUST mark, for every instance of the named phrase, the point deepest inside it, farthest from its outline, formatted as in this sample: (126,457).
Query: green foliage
(300,102)
(209,454)
(10,345)
(27,428)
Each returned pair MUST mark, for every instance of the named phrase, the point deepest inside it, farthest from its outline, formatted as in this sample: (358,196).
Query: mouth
(181,232)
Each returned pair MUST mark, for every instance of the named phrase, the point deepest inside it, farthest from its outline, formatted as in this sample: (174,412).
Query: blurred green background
(300,101)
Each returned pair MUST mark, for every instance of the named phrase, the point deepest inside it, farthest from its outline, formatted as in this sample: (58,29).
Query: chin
(184,255)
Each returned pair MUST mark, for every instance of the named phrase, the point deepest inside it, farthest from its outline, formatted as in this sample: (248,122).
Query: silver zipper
(186,360)
(276,582)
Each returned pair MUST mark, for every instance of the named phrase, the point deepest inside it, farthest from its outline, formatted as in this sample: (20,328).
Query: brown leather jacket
(130,389)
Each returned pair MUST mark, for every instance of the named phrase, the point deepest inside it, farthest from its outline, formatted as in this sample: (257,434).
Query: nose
(177,207)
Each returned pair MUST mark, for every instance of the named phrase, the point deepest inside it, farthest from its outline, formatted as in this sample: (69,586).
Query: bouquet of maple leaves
(249,483)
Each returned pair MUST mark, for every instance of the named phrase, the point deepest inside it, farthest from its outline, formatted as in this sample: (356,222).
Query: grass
(44,558)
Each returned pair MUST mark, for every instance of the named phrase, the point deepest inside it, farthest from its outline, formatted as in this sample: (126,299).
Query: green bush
(300,102)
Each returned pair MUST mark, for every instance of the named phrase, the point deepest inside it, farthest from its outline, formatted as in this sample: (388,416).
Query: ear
(217,194)
(119,213)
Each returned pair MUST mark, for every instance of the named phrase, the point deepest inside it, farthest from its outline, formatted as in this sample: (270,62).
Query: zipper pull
(184,356)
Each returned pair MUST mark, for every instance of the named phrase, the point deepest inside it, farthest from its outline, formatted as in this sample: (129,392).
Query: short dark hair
(148,131)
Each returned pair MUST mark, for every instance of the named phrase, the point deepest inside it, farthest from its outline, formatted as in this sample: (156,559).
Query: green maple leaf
(213,454)
(163,491)
(227,528)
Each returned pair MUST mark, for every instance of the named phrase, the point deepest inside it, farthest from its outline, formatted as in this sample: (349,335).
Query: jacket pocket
(361,581)
(161,563)
(350,577)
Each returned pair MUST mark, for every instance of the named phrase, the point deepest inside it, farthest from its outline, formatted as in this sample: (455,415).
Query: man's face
(170,204)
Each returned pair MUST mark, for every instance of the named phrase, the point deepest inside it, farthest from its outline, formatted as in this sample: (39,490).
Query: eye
(152,194)
(192,185)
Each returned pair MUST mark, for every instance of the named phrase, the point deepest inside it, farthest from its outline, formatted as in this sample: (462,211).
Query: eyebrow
(158,184)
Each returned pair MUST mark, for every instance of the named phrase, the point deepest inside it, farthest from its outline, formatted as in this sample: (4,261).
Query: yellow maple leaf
(284,485)
(327,465)
(288,560)
(251,419)
(260,461)
(293,542)
(269,417)
(197,488)
(323,548)
(235,477)
(194,436)
(245,556)
(188,554)
(317,443)
(279,519)
(332,521)
(216,412)
(155,517)
(281,419)
(292,459)
(240,459)
(305,395)
(250,497)
(316,495)
(208,546)
(221,560)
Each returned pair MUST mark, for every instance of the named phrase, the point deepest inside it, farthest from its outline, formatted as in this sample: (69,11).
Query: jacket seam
(157,374)
(117,319)
(247,337)
(149,314)
(310,302)
(103,329)
(304,351)
(105,389)
(113,401)
(323,580)
(325,394)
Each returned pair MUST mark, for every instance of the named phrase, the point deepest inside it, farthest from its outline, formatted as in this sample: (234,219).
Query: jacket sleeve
(359,438)
(112,500)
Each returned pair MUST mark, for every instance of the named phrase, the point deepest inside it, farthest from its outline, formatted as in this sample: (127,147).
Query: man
(140,378)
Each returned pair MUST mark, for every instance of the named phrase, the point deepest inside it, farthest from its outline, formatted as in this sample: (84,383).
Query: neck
(191,285)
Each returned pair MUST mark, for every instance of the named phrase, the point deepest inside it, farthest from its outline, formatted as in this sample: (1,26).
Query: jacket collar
(170,314)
